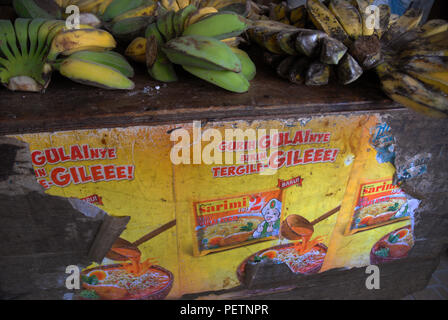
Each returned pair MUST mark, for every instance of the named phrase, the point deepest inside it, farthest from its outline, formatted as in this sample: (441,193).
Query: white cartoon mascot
(271,224)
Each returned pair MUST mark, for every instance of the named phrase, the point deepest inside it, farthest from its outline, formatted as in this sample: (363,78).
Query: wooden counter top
(67,105)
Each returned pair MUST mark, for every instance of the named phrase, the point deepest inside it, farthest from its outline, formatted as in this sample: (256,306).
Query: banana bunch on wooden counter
(30,49)
(350,37)
(202,41)
(414,70)
(312,44)
(125,19)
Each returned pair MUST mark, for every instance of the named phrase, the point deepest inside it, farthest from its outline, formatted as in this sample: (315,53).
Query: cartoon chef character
(271,224)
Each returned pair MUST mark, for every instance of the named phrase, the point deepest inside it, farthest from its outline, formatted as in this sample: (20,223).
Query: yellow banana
(395,82)
(362,5)
(198,15)
(286,40)
(435,80)
(108,58)
(71,41)
(278,12)
(418,107)
(262,30)
(90,6)
(269,42)
(145,10)
(433,27)
(348,16)
(233,41)
(81,27)
(435,45)
(408,21)
(94,74)
(170,5)
(137,50)
(431,70)
(298,17)
(326,21)
(183,3)
(270,25)
(425,52)
(436,41)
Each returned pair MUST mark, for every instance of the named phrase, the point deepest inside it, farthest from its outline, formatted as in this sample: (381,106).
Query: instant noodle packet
(379,203)
(231,222)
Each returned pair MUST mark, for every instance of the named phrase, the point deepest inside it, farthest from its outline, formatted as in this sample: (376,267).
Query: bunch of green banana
(198,40)
(24,47)
(186,16)
(104,69)
(238,6)
(126,22)
(67,42)
(125,19)
(85,56)
(31,48)
(122,26)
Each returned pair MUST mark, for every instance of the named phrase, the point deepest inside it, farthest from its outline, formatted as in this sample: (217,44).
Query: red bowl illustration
(385,250)
(310,267)
(114,291)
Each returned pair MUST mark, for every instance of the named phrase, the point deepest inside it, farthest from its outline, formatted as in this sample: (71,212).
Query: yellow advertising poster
(214,207)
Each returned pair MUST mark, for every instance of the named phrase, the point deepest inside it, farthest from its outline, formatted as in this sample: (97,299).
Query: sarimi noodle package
(379,203)
(231,222)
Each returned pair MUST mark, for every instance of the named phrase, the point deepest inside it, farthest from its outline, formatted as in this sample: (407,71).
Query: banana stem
(52,57)
(56,64)
(4,48)
(5,63)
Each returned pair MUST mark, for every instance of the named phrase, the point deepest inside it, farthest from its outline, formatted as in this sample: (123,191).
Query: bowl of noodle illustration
(393,246)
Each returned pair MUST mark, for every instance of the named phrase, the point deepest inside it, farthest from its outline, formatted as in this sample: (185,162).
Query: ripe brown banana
(318,74)
(348,16)
(326,21)
(348,70)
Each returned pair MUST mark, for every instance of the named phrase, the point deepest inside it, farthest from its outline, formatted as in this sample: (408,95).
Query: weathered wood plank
(67,105)
(110,230)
